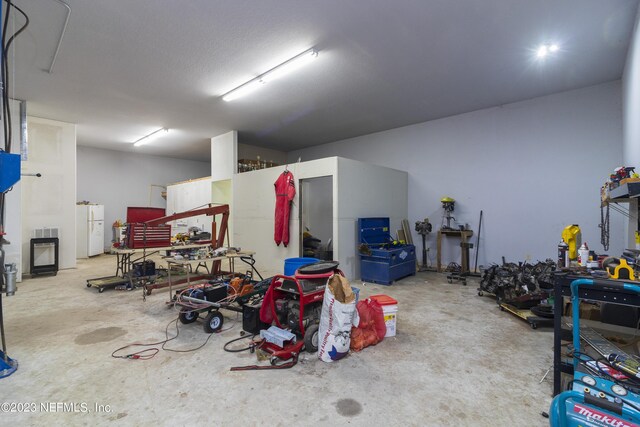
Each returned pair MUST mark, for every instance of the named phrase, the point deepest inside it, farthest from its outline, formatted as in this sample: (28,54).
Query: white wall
(224,156)
(50,201)
(118,179)
(366,190)
(254,212)
(533,167)
(189,195)
(254,201)
(631,120)
(631,100)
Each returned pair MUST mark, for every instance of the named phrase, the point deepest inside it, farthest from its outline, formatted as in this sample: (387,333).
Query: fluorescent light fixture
(275,73)
(151,137)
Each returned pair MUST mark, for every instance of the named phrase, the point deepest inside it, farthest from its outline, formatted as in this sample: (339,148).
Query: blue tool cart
(382,261)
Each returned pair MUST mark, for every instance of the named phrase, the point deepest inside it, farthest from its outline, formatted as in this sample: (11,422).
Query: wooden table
(464,236)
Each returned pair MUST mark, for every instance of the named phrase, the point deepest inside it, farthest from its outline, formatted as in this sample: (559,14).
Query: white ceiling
(126,68)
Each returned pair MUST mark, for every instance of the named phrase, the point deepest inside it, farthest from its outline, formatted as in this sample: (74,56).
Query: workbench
(192,266)
(123,256)
(464,236)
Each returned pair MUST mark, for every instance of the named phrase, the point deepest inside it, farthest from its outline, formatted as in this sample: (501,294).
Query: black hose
(239,350)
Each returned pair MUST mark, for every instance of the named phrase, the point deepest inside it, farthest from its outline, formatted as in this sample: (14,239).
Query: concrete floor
(457,360)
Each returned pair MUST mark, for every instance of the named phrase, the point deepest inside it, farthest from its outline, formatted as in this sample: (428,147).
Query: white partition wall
(189,195)
(50,201)
(367,190)
(359,190)
(254,212)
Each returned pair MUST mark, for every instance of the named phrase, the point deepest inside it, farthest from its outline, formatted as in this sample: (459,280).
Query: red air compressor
(295,303)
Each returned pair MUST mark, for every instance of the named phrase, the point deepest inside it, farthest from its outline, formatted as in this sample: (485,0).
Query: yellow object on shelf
(571,236)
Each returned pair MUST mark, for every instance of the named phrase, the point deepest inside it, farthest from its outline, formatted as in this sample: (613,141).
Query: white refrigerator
(89,230)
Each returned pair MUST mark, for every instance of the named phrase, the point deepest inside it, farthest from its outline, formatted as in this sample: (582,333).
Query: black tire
(534,326)
(100,290)
(188,316)
(88,285)
(213,322)
(311,338)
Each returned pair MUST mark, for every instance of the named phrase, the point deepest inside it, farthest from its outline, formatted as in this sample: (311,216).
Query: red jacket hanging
(285,192)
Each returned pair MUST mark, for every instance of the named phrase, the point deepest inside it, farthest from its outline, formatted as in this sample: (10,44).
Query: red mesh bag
(371,328)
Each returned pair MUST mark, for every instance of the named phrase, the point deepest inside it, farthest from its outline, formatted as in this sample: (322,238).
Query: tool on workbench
(423,228)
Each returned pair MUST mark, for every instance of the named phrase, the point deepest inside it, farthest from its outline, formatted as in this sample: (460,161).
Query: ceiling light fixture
(151,137)
(275,73)
(545,49)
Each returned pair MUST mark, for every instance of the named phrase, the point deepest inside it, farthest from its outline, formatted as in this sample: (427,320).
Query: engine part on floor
(543,310)
(288,354)
(527,315)
(277,336)
(448,206)
(296,302)
(510,281)
(423,228)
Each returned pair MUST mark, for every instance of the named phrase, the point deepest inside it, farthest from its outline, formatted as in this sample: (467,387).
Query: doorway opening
(316,217)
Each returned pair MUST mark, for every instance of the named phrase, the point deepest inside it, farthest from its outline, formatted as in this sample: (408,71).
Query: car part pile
(516,283)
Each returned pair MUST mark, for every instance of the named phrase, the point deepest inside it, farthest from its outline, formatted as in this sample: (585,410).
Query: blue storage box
(387,262)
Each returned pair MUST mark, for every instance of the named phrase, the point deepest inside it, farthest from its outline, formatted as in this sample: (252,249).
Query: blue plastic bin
(292,264)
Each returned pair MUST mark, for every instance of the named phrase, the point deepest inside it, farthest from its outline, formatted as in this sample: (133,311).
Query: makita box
(380,260)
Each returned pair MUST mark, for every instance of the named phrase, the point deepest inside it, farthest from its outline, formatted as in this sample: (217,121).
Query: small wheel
(480,293)
(311,338)
(534,326)
(273,360)
(213,322)
(88,285)
(188,316)
(100,290)
(464,283)
(148,291)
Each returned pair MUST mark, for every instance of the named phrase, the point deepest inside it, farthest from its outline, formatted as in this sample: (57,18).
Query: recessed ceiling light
(545,49)
(542,51)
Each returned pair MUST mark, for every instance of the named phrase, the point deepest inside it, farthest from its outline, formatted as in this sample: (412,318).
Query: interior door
(316,217)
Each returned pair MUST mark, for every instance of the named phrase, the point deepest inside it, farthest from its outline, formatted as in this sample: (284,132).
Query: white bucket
(390,313)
